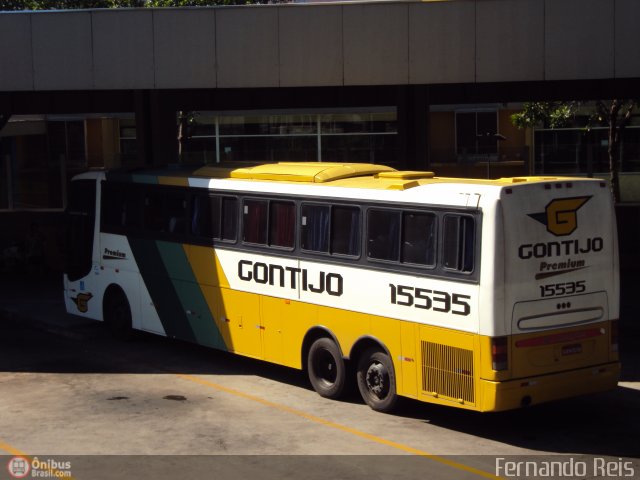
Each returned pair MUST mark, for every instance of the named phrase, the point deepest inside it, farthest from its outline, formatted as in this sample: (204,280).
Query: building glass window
(476,136)
(365,136)
(36,159)
(128,142)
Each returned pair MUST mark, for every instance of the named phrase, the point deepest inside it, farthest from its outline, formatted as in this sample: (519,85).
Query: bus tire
(376,380)
(117,315)
(326,368)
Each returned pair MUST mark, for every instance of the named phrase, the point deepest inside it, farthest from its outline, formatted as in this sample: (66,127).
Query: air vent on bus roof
(312,172)
(406,175)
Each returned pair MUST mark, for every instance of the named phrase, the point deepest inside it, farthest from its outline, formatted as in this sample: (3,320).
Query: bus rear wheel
(326,368)
(376,380)
(117,314)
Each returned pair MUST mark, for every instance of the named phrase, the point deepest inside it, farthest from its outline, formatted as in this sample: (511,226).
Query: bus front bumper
(508,395)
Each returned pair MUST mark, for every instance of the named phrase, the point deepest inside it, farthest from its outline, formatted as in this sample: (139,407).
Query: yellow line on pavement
(11,450)
(338,426)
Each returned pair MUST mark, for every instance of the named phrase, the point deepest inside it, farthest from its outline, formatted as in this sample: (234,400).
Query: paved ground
(67,389)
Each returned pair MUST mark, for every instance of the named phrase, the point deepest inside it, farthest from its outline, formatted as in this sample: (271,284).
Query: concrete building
(416,85)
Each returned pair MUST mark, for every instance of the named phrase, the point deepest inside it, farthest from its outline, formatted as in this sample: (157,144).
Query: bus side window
(458,243)
(383,235)
(315,228)
(214,217)
(120,207)
(164,211)
(419,238)
(205,221)
(254,221)
(345,230)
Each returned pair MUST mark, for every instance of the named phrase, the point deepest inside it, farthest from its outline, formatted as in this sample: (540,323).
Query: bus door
(561,275)
(79,258)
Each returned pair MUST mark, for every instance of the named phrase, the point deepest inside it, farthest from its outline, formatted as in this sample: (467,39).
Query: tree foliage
(614,114)
(550,114)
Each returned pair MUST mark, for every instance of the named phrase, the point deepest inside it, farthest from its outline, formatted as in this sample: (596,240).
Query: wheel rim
(377,379)
(325,367)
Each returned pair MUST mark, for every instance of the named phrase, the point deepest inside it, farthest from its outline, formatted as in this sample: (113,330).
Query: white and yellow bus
(481,294)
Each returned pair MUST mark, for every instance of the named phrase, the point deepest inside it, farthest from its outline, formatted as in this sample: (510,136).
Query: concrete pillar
(156,130)
(413,117)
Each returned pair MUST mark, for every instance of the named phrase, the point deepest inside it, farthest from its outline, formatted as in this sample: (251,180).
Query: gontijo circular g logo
(18,467)
(561,215)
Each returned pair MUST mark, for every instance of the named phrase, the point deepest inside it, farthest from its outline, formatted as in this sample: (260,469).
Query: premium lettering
(564,265)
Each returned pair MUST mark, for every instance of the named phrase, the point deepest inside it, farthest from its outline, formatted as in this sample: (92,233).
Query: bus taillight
(614,336)
(499,353)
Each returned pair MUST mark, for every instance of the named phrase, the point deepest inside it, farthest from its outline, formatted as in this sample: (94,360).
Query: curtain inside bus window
(153,211)
(255,221)
(468,235)
(175,212)
(450,248)
(198,223)
(345,231)
(229,218)
(315,228)
(282,220)
(204,216)
(419,238)
(458,243)
(383,234)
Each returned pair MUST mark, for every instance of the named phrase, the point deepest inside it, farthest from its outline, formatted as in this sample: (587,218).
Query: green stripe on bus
(161,289)
(138,178)
(190,294)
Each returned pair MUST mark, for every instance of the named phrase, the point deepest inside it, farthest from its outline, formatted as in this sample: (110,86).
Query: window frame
(268,200)
(330,253)
(401,236)
(475,247)
(207,194)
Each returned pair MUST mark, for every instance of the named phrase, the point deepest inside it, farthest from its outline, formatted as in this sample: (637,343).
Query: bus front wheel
(326,368)
(117,314)
(376,380)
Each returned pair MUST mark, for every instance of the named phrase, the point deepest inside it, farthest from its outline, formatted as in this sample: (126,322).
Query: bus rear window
(458,243)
